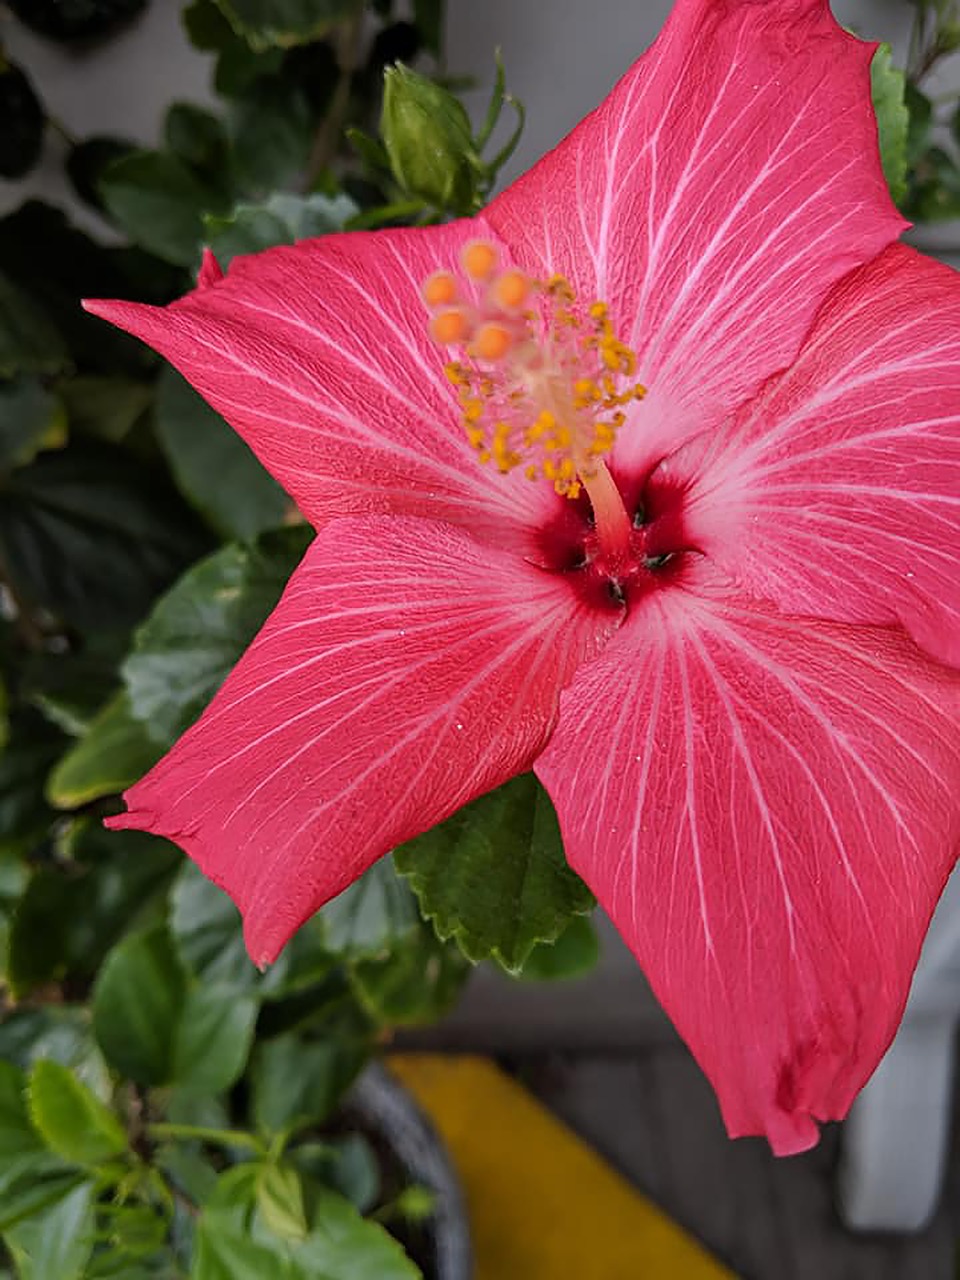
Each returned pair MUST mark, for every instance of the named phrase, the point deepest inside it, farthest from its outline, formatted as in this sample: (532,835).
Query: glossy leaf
(574,954)
(376,913)
(298,1082)
(58,1241)
(113,753)
(92,535)
(107,408)
(33,747)
(160,204)
(136,1007)
(342,1243)
(272,130)
(60,1033)
(494,876)
(29,342)
(31,419)
(893,120)
(268,23)
(71,914)
(212,466)
(23,121)
(18,1136)
(72,1120)
(225,1251)
(32,1193)
(198,631)
(419,982)
(197,138)
(213,1036)
(283,218)
(70,20)
(88,161)
(280,1201)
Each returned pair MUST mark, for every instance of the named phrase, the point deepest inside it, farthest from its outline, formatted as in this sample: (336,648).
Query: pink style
(717,612)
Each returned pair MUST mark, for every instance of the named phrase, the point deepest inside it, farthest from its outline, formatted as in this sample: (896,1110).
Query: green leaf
(58,1241)
(281,219)
(225,1251)
(213,1038)
(29,342)
(74,267)
(71,688)
(920,129)
(199,139)
(272,130)
(92,535)
(212,466)
(160,204)
(31,419)
(70,915)
(342,1243)
(33,1193)
(114,752)
(418,982)
(137,1002)
(18,1137)
(936,188)
(893,120)
(373,915)
(574,953)
(206,27)
(198,631)
(24,121)
(206,928)
(69,20)
(61,1033)
(297,1082)
(72,1120)
(494,876)
(107,408)
(32,748)
(281,1202)
(354,1171)
(268,23)
(88,161)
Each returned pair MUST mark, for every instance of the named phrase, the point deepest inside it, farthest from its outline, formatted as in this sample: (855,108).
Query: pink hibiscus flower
(702,575)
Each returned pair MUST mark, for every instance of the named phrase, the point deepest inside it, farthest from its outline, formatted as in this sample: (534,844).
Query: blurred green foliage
(166,1108)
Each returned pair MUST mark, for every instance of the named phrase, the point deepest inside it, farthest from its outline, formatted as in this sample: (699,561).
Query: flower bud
(428,140)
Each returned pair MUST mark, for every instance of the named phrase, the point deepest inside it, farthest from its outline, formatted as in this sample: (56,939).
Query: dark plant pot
(385,1109)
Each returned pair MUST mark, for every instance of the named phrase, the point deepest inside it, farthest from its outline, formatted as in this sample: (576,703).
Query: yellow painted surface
(542,1204)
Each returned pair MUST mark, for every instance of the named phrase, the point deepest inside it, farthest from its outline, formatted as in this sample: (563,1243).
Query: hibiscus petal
(837,492)
(768,809)
(713,199)
(319,355)
(406,670)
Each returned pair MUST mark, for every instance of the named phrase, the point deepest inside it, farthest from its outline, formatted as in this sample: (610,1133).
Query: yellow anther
(449,327)
(492,341)
(541,379)
(559,287)
(439,290)
(510,290)
(479,259)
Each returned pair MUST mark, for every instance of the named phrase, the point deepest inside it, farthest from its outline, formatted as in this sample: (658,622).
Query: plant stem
(327,137)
